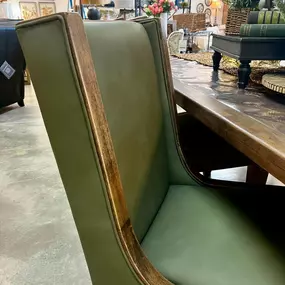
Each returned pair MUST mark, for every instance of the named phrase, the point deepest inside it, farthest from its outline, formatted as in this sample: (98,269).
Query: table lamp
(216,4)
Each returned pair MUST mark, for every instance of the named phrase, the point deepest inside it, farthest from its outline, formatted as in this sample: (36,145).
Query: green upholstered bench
(106,96)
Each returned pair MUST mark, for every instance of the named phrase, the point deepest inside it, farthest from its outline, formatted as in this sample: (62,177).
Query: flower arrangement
(158,7)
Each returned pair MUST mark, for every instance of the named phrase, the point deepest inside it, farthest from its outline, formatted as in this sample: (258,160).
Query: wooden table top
(251,120)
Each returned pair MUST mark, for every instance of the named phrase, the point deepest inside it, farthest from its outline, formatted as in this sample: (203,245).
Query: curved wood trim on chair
(102,139)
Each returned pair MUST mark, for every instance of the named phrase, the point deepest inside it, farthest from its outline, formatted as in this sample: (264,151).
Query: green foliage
(239,4)
(184,4)
(281,6)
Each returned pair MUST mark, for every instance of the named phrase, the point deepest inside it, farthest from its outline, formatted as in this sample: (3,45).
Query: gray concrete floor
(39,243)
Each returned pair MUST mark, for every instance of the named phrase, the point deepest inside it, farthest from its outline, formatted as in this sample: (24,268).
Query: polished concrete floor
(39,243)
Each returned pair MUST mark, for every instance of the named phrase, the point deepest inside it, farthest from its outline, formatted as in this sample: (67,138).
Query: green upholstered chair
(106,96)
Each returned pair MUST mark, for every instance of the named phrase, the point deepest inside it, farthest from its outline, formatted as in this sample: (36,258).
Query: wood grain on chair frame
(87,79)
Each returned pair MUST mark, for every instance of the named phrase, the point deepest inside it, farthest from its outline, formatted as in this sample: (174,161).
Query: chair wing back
(178,170)
(62,70)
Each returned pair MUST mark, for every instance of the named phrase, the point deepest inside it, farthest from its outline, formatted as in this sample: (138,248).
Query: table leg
(243,73)
(208,46)
(256,175)
(216,60)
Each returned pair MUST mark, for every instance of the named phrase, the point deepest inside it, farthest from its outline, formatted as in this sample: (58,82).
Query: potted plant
(184,5)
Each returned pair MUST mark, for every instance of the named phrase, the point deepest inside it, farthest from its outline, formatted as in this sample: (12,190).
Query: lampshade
(124,4)
(216,4)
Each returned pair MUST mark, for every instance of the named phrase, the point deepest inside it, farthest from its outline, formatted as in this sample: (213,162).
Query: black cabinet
(11,90)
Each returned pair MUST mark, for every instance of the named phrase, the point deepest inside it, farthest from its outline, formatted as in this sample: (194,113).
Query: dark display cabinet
(11,89)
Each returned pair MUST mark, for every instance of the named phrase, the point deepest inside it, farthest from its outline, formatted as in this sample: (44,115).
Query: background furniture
(171,26)
(245,50)
(173,42)
(202,39)
(235,18)
(11,90)
(275,82)
(194,22)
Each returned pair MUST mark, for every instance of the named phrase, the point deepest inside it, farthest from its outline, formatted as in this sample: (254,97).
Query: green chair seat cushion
(199,238)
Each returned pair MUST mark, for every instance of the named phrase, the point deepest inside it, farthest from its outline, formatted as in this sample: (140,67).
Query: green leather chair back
(133,78)
(129,84)
(127,79)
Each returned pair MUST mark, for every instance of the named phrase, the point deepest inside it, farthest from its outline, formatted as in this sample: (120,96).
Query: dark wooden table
(250,120)
(246,49)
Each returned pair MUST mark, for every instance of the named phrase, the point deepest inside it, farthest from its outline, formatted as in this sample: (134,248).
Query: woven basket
(194,22)
(235,18)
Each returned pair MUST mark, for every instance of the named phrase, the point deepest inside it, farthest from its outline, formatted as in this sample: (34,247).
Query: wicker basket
(193,22)
(235,18)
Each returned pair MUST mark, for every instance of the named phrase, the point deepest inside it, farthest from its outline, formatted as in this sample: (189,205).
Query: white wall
(61,5)
(11,9)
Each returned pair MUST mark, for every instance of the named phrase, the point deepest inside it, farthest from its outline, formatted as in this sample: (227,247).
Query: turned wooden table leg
(216,60)
(243,73)
(256,175)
